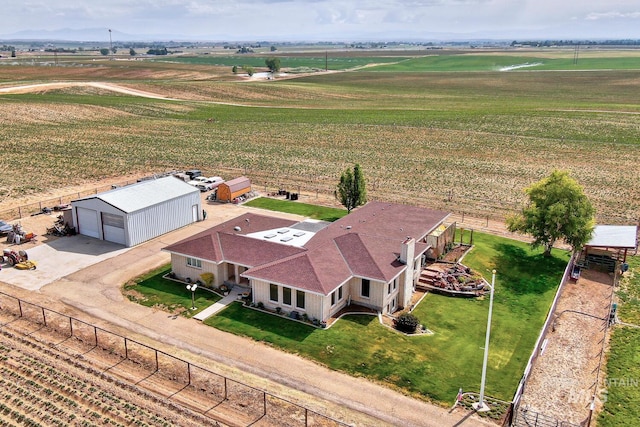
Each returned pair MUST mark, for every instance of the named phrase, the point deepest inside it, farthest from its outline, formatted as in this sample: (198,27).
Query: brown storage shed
(229,190)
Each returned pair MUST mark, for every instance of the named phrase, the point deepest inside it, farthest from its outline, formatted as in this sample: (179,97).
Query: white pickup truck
(208,184)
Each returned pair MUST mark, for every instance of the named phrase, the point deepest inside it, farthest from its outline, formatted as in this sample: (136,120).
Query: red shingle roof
(318,270)
(365,243)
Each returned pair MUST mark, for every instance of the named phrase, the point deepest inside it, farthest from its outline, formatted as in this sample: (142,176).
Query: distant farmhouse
(371,257)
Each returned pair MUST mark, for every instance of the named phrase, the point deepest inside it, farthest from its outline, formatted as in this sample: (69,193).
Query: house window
(273,292)
(299,299)
(194,262)
(340,293)
(395,284)
(286,296)
(389,288)
(333,298)
(365,291)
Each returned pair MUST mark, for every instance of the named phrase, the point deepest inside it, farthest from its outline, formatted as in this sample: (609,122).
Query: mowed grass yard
(322,213)
(419,135)
(431,366)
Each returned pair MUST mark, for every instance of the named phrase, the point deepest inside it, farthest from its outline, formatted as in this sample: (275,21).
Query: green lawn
(621,408)
(153,290)
(312,211)
(432,366)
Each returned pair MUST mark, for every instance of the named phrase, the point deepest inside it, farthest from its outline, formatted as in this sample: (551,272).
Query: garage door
(88,222)
(113,228)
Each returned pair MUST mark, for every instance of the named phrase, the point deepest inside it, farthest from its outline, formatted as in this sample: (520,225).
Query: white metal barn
(139,212)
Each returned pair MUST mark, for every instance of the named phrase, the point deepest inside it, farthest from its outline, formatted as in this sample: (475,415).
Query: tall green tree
(351,191)
(557,209)
(273,64)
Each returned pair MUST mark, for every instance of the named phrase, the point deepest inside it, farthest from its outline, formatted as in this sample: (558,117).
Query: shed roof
(135,197)
(614,236)
(237,183)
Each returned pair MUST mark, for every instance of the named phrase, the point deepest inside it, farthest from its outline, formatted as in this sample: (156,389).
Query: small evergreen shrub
(407,323)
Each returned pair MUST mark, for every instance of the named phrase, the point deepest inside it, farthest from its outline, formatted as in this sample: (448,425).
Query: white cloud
(329,19)
(612,15)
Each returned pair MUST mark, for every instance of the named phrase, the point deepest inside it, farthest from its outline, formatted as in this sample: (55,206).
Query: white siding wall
(377,294)
(314,303)
(159,219)
(182,270)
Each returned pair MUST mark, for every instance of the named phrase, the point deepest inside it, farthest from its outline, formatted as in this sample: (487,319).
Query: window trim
(273,287)
(304,299)
(284,289)
(362,287)
(194,262)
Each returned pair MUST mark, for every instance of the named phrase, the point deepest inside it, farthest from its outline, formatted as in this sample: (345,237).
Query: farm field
(463,141)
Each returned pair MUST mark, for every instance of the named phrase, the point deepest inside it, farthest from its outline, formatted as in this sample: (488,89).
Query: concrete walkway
(234,295)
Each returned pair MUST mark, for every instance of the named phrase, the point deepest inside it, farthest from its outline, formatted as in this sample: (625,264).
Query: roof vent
(348,227)
(236,228)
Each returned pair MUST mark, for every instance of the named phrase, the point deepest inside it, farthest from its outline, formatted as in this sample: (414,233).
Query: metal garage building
(139,212)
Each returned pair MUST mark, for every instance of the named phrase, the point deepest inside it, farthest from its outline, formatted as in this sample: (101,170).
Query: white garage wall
(162,218)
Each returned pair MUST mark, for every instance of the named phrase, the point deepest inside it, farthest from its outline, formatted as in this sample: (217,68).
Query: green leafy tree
(132,52)
(104,51)
(234,69)
(351,190)
(249,70)
(557,209)
(273,64)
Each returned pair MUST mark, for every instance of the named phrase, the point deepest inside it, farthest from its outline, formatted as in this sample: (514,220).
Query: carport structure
(610,243)
(139,212)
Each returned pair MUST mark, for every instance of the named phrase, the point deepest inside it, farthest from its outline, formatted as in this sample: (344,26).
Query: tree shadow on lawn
(523,272)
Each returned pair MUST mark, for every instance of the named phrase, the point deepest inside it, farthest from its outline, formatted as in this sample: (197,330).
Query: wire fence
(210,389)
(516,411)
(321,188)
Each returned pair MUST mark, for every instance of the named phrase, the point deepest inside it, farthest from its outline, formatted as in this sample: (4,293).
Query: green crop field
(463,141)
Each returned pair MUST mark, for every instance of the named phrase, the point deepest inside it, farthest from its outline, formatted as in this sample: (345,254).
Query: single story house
(138,212)
(371,257)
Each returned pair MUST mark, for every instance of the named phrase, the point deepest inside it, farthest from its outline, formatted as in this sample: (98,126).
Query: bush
(407,323)
(207,279)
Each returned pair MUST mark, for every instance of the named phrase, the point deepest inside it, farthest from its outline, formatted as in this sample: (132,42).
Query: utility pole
(110,45)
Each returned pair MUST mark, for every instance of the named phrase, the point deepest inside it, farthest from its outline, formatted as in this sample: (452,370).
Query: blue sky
(330,19)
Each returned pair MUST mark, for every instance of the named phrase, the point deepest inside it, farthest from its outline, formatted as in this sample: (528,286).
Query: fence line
(64,324)
(485,209)
(514,410)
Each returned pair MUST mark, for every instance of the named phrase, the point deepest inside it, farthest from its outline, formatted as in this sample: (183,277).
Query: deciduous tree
(557,209)
(273,64)
(351,190)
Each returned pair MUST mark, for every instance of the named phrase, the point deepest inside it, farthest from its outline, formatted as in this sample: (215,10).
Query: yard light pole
(193,288)
(480,406)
